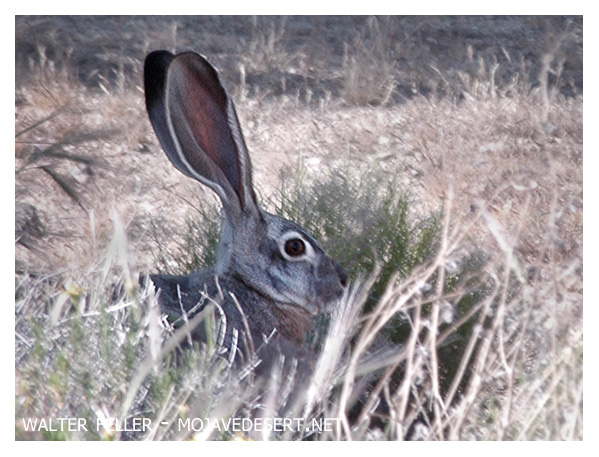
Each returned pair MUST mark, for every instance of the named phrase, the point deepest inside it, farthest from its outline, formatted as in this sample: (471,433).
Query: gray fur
(195,121)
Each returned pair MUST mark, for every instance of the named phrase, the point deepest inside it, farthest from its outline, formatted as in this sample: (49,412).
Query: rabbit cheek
(285,279)
(298,288)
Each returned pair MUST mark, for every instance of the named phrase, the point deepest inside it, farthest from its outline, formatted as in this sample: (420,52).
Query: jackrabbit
(268,268)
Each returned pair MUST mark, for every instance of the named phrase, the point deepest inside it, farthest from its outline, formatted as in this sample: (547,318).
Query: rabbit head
(195,121)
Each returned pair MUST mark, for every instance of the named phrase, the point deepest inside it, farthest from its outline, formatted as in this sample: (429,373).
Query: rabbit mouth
(311,309)
(321,303)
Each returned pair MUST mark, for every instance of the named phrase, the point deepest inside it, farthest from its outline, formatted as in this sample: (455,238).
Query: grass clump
(462,322)
(432,341)
(103,354)
(364,219)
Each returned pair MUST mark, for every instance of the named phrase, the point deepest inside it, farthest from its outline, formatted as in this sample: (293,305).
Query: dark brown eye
(295,247)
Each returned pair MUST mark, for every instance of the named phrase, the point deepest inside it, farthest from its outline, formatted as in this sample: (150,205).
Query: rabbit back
(241,307)
(270,275)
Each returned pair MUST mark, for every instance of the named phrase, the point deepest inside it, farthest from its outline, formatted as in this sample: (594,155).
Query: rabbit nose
(342,274)
(329,266)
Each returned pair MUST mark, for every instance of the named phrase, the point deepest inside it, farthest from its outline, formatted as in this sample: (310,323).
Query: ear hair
(197,125)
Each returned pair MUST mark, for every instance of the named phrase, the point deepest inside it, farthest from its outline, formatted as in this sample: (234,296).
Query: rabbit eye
(295,247)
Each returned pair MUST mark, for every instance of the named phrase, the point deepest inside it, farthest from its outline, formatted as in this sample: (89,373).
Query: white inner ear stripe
(170,123)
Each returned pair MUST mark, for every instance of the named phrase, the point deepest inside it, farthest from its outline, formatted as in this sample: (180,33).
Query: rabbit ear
(196,123)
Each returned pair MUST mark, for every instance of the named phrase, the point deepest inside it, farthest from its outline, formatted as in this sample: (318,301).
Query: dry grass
(457,111)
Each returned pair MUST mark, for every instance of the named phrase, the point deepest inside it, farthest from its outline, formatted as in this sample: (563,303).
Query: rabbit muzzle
(331,281)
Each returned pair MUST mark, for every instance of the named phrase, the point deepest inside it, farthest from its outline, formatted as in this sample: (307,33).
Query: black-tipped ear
(155,68)
(198,128)
(155,71)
